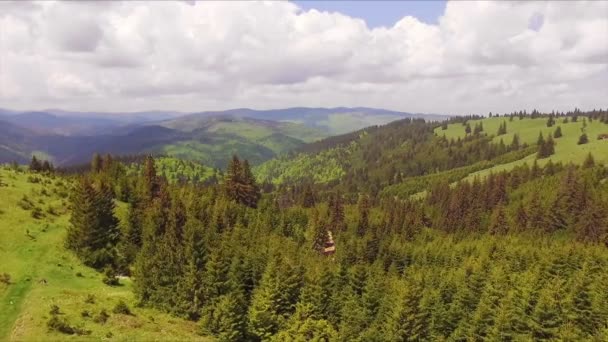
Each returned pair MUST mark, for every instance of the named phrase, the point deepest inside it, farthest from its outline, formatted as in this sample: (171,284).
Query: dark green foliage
(545,147)
(93,233)
(121,308)
(240,184)
(583,139)
(101,317)
(54,310)
(502,129)
(557,133)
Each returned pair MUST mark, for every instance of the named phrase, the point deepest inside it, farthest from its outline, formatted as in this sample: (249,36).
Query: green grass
(566,149)
(43,273)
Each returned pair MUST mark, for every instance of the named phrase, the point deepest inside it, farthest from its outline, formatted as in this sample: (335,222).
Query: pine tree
(252,195)
(336,214)
(589,161)
(583,139)
(583,312)
(308,200)
(499,224)
(318,231)
(363,224)
(515,143)
(502,129)
(96,163)
(547,315)
(226,318)
(593,223)
(467,128)
(521,218)
(94,231)
(35,165)
(558,132)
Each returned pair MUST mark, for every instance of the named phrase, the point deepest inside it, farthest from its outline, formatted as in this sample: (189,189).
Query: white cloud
(192,56)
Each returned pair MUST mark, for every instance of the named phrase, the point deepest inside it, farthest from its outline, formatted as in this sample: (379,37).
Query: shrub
(5,278)
(51,210)
(33,179)
(25,203)
(60,325)
(54,310)
(121,308)
(102,317)
(110,278)
(37,213)
(90,299)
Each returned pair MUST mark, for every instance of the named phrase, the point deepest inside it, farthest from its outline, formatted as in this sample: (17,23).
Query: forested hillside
(393,233)
(391,159)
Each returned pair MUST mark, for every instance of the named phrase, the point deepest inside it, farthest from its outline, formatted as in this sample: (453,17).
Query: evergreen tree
(583,139)
(547,315)
(308,200)
(96,163)
(558,132)
(336,213)
(318,230)
(515,143)
(589,161)
(363,224)
(498,223)
(35,165)
(502,129)
(93,233)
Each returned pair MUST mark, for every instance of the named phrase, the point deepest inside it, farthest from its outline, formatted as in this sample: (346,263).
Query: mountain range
(211,137)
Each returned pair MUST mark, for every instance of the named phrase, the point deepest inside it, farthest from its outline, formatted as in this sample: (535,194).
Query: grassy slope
(25,303)
(566,148)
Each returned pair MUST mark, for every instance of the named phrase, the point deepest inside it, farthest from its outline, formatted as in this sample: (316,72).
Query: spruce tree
(96,163)
(93,233)
(363,223)
(336,214)
(583,139)
(589,161)
(499,224)
(308,200)
(35,165)
(558,132)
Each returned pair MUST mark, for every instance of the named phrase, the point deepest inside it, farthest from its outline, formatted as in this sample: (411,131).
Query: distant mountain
(211,140)
(332,120)
(16,143)
(45,123)
(68,137)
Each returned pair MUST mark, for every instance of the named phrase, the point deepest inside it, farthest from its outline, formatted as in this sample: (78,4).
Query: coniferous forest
(514,255)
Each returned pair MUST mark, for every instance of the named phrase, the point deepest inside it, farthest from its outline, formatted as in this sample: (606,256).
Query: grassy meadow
(566,148)
(42,273)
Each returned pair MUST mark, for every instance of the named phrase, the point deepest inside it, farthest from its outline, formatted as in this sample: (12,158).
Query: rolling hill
(210,140)
(43,274)
(403,157)
(332,121)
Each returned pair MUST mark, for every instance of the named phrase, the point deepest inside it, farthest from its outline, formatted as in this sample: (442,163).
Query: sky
(455,57)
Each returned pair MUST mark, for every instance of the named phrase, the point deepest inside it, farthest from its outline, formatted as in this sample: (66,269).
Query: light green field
(43,273)
(566,148)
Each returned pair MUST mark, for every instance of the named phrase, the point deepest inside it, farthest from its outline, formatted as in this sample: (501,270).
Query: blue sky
(381,13)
